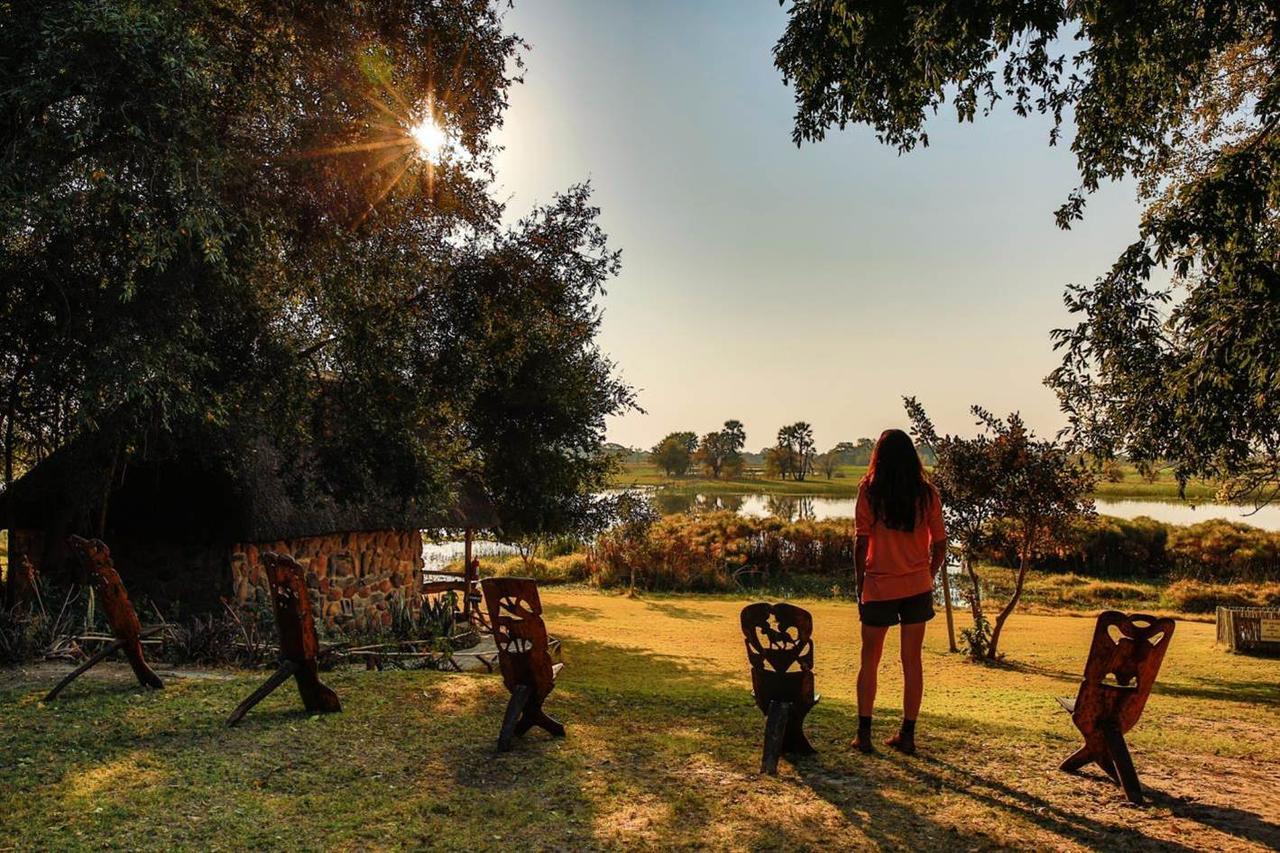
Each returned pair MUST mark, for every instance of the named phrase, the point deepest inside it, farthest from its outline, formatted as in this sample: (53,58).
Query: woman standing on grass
(900,546)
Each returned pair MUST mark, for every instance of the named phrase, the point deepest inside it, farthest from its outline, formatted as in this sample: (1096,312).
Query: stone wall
(351,577)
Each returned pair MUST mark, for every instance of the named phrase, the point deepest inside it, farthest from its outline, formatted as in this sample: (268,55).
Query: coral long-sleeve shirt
(898,560)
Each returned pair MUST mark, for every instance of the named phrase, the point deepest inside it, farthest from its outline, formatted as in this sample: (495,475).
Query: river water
(792,507)
(818,508)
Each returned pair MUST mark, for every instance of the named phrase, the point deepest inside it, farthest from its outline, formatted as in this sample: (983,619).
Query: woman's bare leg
(872,648)
(912,687)
(912,669)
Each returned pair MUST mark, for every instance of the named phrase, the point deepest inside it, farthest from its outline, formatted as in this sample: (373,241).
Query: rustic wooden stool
(515,612)
(95,557)
(298,643)
(779,640)
(1105,710)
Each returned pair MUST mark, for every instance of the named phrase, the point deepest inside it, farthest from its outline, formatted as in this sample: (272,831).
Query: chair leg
(535,716)
(83,668)
(1119,752)
(1077,759)
(775,730)
(515,708)
(796,741)
(280,676)
(146,675)
(316,697)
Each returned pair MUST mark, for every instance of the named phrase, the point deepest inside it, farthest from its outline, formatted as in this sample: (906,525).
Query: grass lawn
(639,474)
(662,750)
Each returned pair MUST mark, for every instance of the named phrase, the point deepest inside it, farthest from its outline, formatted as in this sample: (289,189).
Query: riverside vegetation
(1098,561)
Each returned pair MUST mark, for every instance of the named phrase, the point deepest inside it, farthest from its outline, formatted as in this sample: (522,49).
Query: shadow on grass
(687,741)
(572,611)
(661,750)
(1226,690)
(675,611)
(1235,822)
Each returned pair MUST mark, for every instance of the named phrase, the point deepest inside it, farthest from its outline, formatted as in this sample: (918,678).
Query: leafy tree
(674,454)
(1182,97)
(720,452)
(796,448)
(827,463)
(216,230)
(1003,473)
(735,438)
(777,462)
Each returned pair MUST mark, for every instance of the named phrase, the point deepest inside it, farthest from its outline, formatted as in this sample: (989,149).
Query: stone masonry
(352,577)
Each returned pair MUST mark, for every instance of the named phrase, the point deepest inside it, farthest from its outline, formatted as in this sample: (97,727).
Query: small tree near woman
(1007,473)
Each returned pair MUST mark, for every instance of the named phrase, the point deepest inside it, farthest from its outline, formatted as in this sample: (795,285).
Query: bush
(719,551)
(976,639)
(30,630)
(1225,549)
(1105,546)
(1195,596)
(566,568)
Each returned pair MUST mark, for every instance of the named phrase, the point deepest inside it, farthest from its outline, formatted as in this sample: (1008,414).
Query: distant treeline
(722,453)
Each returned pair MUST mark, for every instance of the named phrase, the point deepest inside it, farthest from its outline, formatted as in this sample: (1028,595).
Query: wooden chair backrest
(294,619)
(95,557)
(515,614)
(779,640)
(1121,669)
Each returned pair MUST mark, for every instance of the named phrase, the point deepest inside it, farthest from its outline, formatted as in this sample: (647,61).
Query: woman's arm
(860,545)
(938,556)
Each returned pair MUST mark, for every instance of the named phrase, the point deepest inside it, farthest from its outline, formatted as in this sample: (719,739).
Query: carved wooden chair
(299,645)
(779,640)
(95,557)
(515,613)
(1118,676)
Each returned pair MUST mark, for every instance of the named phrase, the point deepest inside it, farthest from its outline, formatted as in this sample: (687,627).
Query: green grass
(845,484)
(662,751)
(632,474)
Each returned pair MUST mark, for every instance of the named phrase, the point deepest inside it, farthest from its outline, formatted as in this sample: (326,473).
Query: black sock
(909,728)
(864,725)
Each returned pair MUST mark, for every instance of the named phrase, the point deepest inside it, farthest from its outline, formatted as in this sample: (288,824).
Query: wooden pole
(469,574)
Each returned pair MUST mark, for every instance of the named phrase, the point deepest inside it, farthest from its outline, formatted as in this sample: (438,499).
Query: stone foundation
(352,578)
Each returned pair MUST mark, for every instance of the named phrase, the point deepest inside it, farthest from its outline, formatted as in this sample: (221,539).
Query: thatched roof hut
(186,528)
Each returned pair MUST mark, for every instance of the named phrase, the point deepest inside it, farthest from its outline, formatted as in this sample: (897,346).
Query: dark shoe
(906,744)
(863,744)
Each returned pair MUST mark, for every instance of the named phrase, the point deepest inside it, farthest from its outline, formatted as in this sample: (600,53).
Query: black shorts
(911,610)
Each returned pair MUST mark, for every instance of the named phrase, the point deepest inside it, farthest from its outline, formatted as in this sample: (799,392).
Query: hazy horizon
(773,284)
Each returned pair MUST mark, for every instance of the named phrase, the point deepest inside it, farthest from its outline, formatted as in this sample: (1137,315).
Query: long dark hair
(897,489)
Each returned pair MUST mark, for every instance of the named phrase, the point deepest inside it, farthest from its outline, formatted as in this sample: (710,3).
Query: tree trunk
(975,597)
(9,436)
(1023,562)
(946,603)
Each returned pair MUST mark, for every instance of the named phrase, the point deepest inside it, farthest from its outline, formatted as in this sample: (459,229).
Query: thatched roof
(191,497)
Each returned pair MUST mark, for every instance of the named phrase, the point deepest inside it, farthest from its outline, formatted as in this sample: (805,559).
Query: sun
(430,139)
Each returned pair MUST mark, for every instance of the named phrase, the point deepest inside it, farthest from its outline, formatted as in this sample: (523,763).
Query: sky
(770,283)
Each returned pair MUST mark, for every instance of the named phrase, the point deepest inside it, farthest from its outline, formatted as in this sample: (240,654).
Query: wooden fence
(1249,629)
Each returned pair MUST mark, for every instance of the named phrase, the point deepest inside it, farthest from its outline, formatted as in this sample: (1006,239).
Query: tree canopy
(1182,97)
(674,454)
(215,225)
(720,452)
